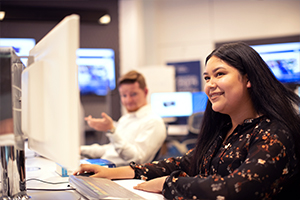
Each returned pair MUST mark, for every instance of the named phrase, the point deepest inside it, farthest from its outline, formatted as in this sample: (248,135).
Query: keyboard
(100,188)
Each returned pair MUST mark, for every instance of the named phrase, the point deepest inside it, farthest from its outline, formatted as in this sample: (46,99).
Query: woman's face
(225,87)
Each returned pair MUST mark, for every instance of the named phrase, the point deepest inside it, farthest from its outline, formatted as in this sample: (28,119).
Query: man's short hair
(132,77)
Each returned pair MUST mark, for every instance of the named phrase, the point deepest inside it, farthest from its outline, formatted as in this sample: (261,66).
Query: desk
(44,169)
(177,130)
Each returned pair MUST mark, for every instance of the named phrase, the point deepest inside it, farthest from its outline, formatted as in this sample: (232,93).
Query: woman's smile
(215,95)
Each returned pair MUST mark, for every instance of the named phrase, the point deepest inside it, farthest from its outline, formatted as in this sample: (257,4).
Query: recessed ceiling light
(105,19)
(2,15)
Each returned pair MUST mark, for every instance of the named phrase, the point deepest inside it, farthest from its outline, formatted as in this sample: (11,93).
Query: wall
(183,30)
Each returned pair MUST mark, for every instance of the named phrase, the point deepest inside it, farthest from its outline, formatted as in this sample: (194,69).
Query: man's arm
(100,124)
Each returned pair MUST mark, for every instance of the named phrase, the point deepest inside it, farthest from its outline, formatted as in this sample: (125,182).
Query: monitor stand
(12,155)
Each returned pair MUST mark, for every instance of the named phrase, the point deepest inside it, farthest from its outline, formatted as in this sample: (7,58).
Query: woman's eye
(219,74)
(206,78)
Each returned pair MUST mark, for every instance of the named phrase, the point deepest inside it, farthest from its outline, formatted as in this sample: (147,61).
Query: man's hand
(100,124)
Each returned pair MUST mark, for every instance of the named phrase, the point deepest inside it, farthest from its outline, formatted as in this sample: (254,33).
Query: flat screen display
(172,104)
(96,71)
(283,60)
(22,46)
(199,101)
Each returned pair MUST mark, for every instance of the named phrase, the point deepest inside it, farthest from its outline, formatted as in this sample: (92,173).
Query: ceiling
(49,13)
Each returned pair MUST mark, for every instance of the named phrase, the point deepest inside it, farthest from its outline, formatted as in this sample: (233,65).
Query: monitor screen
(96,74)
(199,101)
(172,104)
(22,46)
(51,117)
(283,60)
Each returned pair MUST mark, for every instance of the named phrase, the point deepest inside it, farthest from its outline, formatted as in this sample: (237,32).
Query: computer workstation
(70,141)
(50,112)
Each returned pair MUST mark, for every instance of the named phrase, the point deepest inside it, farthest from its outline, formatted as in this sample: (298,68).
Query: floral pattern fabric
(256,162)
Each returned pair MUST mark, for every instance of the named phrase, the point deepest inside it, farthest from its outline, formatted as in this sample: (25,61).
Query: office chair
(189,141)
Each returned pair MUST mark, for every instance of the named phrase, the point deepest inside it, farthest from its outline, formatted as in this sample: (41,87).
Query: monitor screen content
(283,60)
(199,101)
(22,46)
(51,114)
(96,73)
(172,104)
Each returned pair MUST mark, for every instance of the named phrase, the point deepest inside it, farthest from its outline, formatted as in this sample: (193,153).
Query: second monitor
(178,104)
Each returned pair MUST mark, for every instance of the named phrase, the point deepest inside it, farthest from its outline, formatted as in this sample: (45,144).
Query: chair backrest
(157,155)
(194,122)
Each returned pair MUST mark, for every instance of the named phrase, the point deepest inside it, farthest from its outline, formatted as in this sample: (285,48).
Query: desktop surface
(54,186)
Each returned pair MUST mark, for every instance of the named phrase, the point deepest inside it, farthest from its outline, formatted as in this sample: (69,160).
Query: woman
(248,146)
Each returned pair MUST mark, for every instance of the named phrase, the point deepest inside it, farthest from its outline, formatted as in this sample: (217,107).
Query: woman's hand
(125,172)
(154,185)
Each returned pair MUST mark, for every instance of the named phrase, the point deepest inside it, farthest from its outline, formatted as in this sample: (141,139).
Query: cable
(46,189)
(48,182)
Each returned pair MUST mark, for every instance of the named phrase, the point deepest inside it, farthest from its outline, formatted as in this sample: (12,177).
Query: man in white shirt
(138,135)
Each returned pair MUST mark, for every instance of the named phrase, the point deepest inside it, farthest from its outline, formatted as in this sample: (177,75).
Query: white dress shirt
(138,137)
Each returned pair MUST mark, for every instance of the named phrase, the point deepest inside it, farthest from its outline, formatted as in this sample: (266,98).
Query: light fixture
(105,19)
(2,15)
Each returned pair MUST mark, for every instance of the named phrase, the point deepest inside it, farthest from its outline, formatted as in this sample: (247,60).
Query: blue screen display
(172,104)
(199,101)
(283,60)
(96,71)
(22,46)
(178,104)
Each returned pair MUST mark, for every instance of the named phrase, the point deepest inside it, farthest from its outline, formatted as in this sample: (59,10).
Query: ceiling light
(2,15)
(105,19)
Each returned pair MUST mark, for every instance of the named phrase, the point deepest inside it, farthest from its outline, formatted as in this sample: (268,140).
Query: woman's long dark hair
(269,96)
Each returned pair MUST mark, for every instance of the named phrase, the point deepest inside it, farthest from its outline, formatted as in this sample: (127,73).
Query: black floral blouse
(256,162)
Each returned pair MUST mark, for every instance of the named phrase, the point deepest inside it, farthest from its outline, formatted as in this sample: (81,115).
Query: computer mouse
(86,174)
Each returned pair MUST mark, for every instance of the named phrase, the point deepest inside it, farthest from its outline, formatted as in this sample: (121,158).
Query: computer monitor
(22,46)
(50,95)
(199,101)
(283,60)
(96,74)
(172,104)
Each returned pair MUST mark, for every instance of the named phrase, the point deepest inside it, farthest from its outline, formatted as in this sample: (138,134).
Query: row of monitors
(96,75)
(96,72)
(96,66)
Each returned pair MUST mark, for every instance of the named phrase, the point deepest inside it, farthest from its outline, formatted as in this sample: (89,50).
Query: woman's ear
(248,84)
(248,81)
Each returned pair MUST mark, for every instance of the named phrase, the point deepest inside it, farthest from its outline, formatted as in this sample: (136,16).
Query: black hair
(269,96)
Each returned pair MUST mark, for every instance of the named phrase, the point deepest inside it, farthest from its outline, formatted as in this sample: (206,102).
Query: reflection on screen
(22,46)
(96,71)
(283,60)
